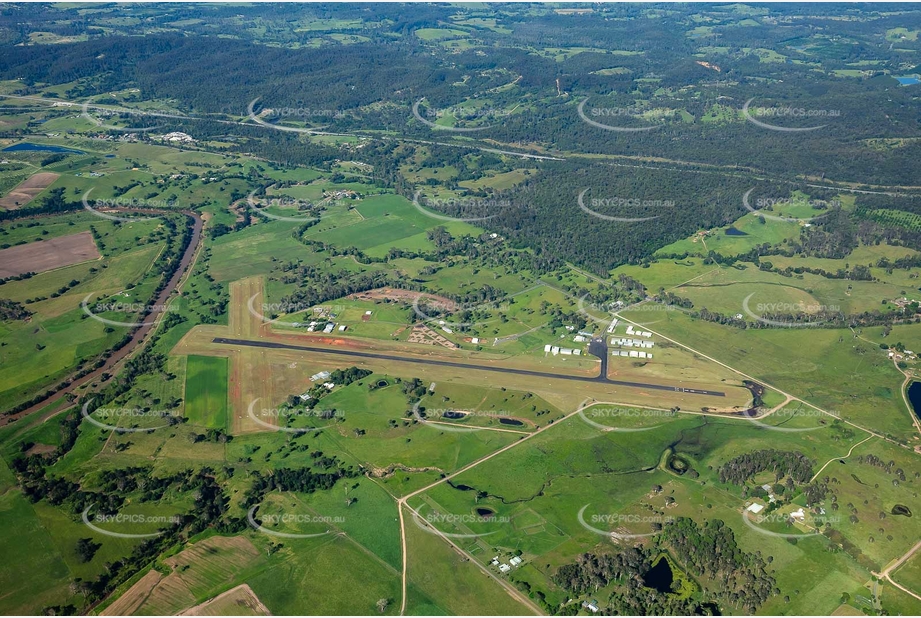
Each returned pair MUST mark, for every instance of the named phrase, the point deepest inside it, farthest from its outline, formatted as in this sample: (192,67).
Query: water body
(660,576)
(484,512)
(731,231)
(453,414)
(510,421)
(710,609)
(677,464)
(901,509)
(30,147)
(908,80)
(914,396)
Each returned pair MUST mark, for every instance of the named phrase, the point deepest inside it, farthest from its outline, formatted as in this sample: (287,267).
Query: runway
(442,363)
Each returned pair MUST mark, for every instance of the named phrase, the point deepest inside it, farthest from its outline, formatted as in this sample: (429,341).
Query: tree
(86,549)
(382,605)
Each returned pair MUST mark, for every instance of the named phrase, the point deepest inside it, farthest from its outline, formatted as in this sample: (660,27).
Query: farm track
(139,337)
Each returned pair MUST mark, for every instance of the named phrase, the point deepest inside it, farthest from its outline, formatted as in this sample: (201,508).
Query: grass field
(836,371)
(206,391)
(451,583)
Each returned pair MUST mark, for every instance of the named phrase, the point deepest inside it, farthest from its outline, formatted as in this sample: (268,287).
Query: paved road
(424,361)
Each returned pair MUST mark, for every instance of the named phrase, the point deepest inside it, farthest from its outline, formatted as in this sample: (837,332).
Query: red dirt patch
(25,192)
(42,255)
(408,296)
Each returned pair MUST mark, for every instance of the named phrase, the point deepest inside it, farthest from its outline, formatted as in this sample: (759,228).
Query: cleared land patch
(25,192)
(48,254)
(239,601)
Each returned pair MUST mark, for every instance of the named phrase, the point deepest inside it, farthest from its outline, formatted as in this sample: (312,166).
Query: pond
(510,421)
(908,80)
(710,609)
(660,576)
(731,231)
(30,147)
(677,464)
(901,509)
(482,511)
(453,414)
(914,396)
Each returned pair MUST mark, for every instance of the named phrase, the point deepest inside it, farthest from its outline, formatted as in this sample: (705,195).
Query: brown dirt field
(25,192)
(41,449)
(407,296)
(43,255)
(205,566)
(134,597)
(239,601)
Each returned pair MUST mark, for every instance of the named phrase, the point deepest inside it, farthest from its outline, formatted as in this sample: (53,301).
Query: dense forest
(372,85)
